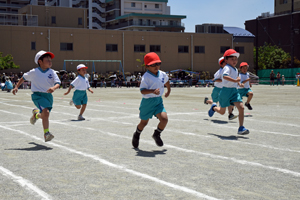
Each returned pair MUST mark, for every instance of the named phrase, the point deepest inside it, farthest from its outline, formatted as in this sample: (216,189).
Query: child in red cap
(152,88)
(229,94)
(244,84)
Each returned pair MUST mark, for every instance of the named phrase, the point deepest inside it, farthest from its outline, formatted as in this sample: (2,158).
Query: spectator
(8,86)
(128,81)
(278,78)
(272,78)
(282,80)
(95,79)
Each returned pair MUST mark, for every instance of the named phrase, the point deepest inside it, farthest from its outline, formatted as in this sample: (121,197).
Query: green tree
(271,57)
(141,62)
(6,62)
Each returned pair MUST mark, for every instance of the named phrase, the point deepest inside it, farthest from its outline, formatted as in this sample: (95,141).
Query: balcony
(151,24)
(18,19)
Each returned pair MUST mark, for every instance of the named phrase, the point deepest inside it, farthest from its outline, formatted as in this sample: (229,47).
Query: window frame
(183,49)
(111,47)
(137,48)
(65,46)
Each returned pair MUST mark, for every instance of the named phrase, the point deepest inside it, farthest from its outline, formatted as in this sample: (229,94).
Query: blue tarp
(179,70)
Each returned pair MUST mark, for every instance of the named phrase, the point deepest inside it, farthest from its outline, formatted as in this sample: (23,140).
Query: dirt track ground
(203,158)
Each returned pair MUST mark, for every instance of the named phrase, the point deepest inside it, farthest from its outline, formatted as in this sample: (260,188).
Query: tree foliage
(271,57)
(6,62)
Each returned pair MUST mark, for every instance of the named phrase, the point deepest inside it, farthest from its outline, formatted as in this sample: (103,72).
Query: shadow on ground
(143,153)
(231,137)
(37,147)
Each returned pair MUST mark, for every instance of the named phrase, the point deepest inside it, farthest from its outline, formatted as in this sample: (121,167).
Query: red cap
(151,58)
(221,60)
(244,64)
(231,52)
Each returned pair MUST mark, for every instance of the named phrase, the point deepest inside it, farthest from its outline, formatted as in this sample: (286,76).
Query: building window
(223,49)
(240,50)
(156,5)
(155,48)
(145,6)
(132,4)
(79,21)
(199,49)
(53,20)
(111,47)
(183,49)
(33,46)
(66,46)
(283,1)
(139,48)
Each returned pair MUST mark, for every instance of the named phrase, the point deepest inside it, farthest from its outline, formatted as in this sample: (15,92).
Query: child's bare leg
(45,118)
(82,109)
(142,124)
(209,101)
(78,106)
(230,109)
(220,110)
(163,120)
(240,107)
(250,95)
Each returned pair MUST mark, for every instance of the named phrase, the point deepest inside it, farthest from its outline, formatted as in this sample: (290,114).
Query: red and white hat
(40,53)
(151,58)
(81,66)
(244,64)
(221,60)
(231,52)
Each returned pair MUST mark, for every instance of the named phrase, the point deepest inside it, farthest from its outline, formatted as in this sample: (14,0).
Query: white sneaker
(33,119)
(48,136)
(80,117)
(71,103)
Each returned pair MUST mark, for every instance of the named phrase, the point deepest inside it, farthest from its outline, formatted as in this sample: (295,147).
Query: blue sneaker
(211,110)
(243,131)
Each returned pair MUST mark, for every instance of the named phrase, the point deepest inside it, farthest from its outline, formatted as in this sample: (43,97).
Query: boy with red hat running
(81,84)
(244,85)
(229,94)
(44,81)
(218,86)
(152,88)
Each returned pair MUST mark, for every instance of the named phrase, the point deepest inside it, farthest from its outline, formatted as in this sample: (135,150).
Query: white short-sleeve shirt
(218,76)
(41,80)
(233,73)
(151,81)
(80,83)
(243,78)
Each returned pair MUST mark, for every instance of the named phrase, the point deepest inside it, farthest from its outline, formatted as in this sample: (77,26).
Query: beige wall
(65,17)
(286,8)
(91,45)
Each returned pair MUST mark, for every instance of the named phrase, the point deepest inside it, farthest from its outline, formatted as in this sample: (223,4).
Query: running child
(44,81)
(218,86)
(152,88)
(229,94)
(81,84)
(244,85)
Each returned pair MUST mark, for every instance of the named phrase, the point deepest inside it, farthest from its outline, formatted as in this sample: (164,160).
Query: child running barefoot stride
(152,88)
(43,83)
(81,84)
(244,84)
(229,94)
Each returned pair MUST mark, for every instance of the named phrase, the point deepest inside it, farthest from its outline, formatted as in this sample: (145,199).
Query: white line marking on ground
(119,167)
(25,183)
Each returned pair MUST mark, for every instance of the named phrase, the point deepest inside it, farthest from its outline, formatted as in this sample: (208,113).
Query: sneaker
(71,103)
(33,119)
(205,99)
(135,140)
(157,139)
(243,131)
(80,117)
(248,106)
(211,110)
(48,136)
(232,116)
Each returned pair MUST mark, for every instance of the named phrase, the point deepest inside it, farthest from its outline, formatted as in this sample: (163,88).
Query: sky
(232,13)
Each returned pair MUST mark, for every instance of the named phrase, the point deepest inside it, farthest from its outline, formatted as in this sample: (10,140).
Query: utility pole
(256,46)
(292,35)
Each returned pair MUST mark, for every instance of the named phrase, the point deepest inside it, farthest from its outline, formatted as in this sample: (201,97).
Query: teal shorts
(215,94)
(244,91)
(150,107)
(42,100)
(80,97)
(228,96)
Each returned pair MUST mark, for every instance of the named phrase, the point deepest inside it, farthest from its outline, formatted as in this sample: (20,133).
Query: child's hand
(66,93)
(50,90)
(14,91)
(156,91)
(238,79)
(167,94)
(242,85)
(91,91)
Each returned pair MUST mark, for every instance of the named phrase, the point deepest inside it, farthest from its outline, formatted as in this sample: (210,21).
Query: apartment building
(285,6)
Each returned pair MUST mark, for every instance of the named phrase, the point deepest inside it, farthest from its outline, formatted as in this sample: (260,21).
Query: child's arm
(248,79)
(228,78)
(50,90)
(70,88)
(217,80)
(169,89)
(15,90)
(90,90)
(146,91)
